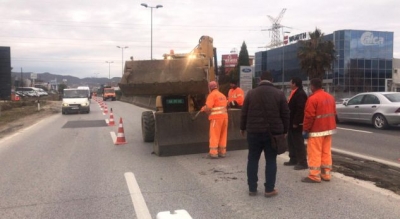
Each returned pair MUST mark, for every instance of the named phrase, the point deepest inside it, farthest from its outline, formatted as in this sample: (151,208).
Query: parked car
(20,93)
(381,109)
(342,100)
(42,92)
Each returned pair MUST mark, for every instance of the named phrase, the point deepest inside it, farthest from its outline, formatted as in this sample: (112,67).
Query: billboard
(5,73)
(230,60)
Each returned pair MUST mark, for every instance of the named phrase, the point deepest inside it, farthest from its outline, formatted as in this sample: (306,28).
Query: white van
(88,90)
(75,100)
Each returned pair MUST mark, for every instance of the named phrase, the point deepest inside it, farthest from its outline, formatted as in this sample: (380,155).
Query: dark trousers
(297,149)
(259,142)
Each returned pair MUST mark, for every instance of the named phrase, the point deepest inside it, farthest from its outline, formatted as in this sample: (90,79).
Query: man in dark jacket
(297,102)
(265,109)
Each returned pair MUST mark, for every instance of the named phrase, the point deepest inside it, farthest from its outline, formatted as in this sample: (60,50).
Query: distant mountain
(70,80)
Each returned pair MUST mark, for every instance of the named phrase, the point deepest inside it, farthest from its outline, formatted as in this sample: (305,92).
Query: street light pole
(151,21)
(109,63)
(122,61)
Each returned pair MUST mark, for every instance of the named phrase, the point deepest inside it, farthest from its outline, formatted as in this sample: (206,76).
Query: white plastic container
(177,214)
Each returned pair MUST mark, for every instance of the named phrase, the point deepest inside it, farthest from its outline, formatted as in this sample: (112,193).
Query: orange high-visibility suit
(216,107)
(236,97)
(319,122)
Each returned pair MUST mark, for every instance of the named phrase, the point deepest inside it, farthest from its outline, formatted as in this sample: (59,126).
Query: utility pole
(22,79)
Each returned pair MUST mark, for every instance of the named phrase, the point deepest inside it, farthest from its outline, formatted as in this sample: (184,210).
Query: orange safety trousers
(218,136)
(319,157)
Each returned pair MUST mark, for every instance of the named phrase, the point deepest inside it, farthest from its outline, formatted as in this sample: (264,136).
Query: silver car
(382,109)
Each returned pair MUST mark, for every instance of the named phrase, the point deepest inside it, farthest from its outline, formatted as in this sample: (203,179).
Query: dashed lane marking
(142,212)
(354,130)
(113,136)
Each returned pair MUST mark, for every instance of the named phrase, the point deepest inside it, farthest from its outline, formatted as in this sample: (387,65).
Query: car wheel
(337,119)
(380,121)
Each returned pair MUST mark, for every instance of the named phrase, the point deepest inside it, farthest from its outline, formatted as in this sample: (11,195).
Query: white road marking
(142,212)
(355,130)
(113,136)
(107,121)
(366,157)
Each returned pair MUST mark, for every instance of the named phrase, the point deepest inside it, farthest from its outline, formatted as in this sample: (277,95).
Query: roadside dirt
(16,118)
(382,175)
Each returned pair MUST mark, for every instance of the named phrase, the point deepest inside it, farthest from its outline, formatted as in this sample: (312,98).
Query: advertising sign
(246,78)
(368,39)
(230,60)
(33,76)
(297,37)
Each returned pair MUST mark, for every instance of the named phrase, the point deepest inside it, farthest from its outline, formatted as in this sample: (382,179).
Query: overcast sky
(77,37)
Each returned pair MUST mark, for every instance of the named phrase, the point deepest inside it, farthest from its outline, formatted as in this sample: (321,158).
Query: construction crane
(275,29)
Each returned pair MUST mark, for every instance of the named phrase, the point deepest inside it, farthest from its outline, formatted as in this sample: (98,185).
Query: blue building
(364,62)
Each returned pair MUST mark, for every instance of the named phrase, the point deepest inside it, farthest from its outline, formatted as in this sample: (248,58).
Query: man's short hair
(316,83)
(297,81)
(266,75)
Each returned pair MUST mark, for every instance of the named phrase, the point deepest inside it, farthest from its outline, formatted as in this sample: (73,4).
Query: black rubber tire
(337,119)
(379,121)
(148,126)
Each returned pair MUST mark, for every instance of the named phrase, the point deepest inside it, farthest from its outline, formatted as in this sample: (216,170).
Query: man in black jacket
(297,102)
(265,109)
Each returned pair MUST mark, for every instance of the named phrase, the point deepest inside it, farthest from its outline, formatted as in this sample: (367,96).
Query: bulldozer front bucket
(186,133)
(165,77)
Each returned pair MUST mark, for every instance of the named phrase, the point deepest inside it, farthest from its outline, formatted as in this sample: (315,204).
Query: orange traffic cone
(111,121)
(120,135)
(105,109)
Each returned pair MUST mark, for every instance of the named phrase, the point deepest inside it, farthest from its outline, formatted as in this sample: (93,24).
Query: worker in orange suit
(216,108)
(235,95)
(319,125)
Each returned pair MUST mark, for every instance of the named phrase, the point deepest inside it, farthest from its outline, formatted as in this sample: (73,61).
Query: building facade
(364,62)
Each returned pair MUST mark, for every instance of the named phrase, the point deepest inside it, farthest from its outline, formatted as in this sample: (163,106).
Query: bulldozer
(174,89)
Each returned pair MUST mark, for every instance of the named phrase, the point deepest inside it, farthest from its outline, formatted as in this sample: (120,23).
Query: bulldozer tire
(148,126)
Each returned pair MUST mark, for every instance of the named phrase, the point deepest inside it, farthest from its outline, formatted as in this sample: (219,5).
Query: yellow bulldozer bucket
(165,77)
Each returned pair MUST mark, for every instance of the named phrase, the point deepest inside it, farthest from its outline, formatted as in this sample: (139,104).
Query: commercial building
(364,62)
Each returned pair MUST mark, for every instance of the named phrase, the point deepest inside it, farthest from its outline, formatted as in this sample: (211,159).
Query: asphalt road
(366,140)
(59,168)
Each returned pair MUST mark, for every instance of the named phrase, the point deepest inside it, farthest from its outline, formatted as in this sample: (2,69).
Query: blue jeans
(259,142)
